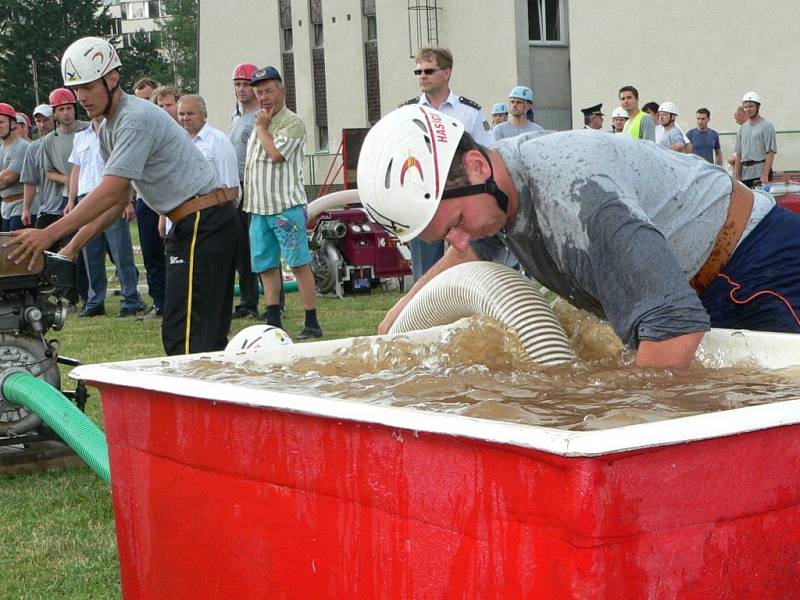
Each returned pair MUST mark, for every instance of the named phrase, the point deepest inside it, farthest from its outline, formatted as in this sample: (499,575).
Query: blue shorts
(759,287)
(282,234)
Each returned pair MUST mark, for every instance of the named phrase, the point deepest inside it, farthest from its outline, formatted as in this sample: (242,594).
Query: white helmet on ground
(257,337)
(87,60)
(403,167)
(751,97)
(619,112)
(668,107)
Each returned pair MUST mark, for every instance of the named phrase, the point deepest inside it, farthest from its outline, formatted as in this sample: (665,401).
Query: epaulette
(468,102)
(414,100)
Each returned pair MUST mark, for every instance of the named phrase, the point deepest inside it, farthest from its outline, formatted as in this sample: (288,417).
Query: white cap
(43,109)
(619,112)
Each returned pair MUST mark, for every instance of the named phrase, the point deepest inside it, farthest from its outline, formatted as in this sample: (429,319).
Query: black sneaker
(241,312)
(130,312)
(309,332)
(97,311)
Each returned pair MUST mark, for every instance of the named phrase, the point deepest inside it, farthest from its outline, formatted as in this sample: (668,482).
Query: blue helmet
(521,92)
(500,108)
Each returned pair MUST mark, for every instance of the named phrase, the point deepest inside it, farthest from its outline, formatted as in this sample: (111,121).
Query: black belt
(750,163)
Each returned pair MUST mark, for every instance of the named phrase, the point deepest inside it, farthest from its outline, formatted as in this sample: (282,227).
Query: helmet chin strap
(109,94)
(487,187)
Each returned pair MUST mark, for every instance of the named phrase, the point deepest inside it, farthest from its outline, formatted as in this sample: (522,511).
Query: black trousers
(201,253)
(248,281)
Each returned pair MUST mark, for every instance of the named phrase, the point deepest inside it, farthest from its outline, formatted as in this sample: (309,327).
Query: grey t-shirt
(48,193)
(241,128)
(57,148)
(507,129)
(671,136)
(616,227)
(12,157)
(753,141)
(144,144)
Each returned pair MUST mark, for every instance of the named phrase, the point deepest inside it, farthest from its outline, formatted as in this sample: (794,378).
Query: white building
(132,16)
(346,62)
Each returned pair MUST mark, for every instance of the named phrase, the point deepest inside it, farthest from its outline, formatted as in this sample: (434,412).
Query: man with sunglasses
(434,67)
(661,244)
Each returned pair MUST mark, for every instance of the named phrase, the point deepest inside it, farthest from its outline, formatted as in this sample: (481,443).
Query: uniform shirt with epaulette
(12,157)
(465,110)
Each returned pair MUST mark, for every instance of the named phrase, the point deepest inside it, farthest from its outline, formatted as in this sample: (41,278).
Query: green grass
(57,528)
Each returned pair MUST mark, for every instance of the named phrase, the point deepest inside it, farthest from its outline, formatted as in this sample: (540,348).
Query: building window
(372,83)
(546,22)
(288,40)
(287,56)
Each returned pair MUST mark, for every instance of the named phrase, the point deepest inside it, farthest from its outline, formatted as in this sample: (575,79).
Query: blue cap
(265,74)
(521,92)
(500,108)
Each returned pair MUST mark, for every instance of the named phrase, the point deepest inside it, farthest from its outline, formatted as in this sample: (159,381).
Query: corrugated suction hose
(55,409)
(493,290)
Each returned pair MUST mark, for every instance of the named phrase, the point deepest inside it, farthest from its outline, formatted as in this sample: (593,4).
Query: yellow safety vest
(635,128)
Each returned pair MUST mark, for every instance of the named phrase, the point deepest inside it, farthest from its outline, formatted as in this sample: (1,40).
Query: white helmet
(751,97)
(668,107)
(87,60)
(257,337)
(403,166)
(619,112)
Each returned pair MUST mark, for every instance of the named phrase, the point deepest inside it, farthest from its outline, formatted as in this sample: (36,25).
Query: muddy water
(482,371)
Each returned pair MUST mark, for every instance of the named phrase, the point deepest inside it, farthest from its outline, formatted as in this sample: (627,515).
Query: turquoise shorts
(282,234)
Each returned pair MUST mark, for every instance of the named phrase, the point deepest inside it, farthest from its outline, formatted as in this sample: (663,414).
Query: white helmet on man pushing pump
(87,60)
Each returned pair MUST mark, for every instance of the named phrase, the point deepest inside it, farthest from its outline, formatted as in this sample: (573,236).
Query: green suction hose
(63,417)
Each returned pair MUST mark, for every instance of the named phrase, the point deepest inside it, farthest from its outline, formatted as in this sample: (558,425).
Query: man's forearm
(770,158)
(7,178)
(268,144)
(672,353)
(91,230)
(94,204)
(28,194)
(718,156)
(57,177)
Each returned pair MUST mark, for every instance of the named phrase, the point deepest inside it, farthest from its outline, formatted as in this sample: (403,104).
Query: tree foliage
(179,29)
(143,57)
(40,31)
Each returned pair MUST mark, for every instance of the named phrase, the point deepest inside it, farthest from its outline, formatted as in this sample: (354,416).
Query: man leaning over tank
(661,244)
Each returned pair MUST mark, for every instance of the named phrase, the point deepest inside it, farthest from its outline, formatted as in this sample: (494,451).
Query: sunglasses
(429,71)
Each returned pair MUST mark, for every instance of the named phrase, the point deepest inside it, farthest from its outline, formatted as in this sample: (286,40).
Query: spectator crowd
(253,174)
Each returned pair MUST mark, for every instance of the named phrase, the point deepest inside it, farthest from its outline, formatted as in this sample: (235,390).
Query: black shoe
(240,312)
(97,311)
(129,312)
(309,332)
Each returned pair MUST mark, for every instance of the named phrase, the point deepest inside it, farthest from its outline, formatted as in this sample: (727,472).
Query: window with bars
(547,22)
(373,86)
(318,72)
(287,54)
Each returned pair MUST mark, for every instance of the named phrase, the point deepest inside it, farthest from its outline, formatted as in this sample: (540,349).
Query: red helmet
(61,96)
(22,117)
(8,111)
(244,71)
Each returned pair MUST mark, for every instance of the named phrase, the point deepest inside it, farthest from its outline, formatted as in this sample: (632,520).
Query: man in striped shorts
(276,198)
